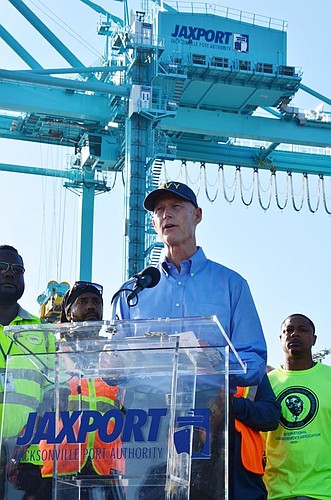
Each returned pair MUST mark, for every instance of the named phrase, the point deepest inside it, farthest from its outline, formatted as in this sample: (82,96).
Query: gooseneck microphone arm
(116,296)
(148,278)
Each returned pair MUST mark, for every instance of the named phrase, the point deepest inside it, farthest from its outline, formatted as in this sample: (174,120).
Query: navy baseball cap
(173,187)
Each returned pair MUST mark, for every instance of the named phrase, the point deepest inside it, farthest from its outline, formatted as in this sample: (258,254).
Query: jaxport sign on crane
(174,84)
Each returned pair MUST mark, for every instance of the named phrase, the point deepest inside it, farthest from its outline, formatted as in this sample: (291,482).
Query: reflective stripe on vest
(12,398)
(92,394)
(252,446)
(28,374)
(98,396)
(83,404)
(19,377)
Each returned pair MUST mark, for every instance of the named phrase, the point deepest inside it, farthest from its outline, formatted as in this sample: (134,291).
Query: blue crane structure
(177,81)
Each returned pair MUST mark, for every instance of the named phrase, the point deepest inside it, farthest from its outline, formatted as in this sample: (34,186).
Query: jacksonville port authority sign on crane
(178,81)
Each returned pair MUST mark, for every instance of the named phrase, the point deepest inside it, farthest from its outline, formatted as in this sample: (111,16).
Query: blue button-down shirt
(204,288)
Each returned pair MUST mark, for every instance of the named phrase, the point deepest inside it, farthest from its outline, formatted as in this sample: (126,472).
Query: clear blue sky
(284,255)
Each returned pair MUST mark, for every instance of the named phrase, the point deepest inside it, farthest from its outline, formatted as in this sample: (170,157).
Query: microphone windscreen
(154,275)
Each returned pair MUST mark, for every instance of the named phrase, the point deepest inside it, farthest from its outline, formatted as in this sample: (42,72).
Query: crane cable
(65,27)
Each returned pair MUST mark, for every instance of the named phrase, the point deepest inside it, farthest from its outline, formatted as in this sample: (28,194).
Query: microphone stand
(116,296)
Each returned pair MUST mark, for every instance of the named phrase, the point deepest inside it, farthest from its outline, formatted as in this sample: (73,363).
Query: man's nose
(167,212)
(8,271)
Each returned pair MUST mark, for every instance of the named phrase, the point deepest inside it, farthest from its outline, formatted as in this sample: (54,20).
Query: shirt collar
(195,262)
(22,313)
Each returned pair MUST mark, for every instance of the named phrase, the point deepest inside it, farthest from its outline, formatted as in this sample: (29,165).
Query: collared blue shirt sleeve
(204,288)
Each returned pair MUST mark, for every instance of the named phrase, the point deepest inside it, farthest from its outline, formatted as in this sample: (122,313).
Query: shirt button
(177,305)
(192,274)
(179,283)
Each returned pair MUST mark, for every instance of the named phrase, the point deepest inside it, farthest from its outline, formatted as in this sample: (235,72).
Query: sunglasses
(85,284)
(16,269)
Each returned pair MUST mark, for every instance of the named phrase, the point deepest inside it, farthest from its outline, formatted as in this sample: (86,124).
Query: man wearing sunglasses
(19,397)
(11,290)
(11,313)
(82,302)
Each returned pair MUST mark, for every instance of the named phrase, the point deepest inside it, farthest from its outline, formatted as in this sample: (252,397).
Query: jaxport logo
(205,37)
(299,407)
(136,425)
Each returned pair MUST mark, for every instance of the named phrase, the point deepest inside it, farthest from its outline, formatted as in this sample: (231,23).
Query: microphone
(147,278)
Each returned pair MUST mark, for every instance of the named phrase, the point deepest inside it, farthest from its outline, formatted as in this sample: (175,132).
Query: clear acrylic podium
(122,409)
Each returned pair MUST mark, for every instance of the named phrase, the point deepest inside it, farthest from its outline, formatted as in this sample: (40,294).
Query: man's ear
(198,215)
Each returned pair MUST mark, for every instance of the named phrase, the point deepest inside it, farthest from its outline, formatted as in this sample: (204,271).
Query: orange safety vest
(252,447)
(91,394)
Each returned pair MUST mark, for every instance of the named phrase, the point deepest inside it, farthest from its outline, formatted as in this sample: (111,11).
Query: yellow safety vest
(26,376)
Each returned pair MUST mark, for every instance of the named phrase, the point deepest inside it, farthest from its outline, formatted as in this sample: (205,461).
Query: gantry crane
(173,84)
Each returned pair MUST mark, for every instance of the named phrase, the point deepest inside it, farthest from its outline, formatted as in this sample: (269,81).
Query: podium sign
(121,410)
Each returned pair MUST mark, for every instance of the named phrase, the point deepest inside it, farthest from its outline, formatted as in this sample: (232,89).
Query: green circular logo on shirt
(299,407)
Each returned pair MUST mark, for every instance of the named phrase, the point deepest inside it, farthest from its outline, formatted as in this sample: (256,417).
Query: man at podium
(193,285)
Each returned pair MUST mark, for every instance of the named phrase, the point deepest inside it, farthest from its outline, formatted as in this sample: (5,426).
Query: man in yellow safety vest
(24,382)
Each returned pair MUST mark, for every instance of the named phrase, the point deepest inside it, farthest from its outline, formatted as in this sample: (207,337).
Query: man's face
(87,307)
(175,220)
(295,405)
(297,336)
(11,283)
